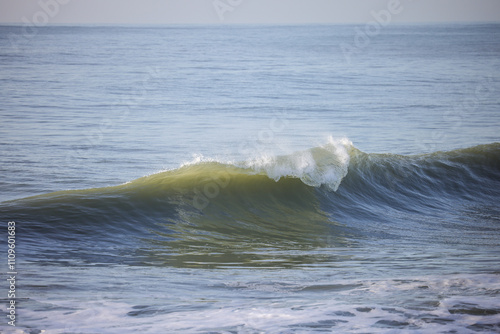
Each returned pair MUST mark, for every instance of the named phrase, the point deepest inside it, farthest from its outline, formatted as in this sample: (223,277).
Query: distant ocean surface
(252,179)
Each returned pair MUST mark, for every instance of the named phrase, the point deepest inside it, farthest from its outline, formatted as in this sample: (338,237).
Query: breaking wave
(333,191)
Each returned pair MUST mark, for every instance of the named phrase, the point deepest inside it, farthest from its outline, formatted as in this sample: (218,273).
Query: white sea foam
(324,165)
(381,306)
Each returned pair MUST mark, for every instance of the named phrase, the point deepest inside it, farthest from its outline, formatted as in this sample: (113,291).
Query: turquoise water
(252,179)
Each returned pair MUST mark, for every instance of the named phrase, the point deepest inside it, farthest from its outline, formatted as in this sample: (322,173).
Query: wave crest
(323,165)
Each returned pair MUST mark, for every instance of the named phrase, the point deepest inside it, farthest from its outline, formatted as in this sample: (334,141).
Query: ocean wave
(470,171)
(330,194)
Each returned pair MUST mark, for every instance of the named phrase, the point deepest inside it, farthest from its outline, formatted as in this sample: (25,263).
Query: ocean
(250,179)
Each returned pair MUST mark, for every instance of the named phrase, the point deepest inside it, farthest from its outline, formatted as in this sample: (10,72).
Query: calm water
(252,179)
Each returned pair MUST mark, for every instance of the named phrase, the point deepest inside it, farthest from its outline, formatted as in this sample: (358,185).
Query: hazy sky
(43,12)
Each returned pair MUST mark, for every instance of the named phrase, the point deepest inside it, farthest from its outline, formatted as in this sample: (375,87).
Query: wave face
(211,212)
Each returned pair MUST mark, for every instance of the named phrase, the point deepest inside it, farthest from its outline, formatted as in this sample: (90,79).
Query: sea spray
(324,165)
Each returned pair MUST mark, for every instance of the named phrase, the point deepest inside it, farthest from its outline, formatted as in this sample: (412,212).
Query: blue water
(290,187)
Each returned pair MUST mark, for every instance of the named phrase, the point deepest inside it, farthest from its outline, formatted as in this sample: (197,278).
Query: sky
(45,12)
